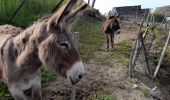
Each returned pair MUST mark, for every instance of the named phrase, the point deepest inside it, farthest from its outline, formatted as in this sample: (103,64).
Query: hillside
(163,10)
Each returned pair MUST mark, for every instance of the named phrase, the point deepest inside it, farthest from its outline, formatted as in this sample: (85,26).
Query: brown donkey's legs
(107,37)
(112,39)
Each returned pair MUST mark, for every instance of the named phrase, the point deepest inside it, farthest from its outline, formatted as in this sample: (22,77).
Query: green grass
(121,53)
(146,92)
(157,32)
(91,37)
(46,77)
(160,36)
(31,11)
(4,93)
(124,48)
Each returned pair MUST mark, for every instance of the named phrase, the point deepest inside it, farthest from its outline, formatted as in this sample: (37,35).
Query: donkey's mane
(21,38)
(31,34)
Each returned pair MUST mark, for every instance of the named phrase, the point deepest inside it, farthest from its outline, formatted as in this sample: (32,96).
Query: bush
(158,17)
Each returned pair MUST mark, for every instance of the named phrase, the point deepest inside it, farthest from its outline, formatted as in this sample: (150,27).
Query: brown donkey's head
(57,51)
(114,26)
(111,25)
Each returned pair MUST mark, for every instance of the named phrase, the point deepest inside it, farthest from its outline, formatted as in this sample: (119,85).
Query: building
(130,13)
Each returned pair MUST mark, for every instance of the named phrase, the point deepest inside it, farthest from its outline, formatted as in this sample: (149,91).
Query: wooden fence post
(162,55)
(89,2)
(73,92)
(140,46)
(93,3)
(145,54)
(135,49)
(164,18)
(151,20)
(131,57)
(76,39)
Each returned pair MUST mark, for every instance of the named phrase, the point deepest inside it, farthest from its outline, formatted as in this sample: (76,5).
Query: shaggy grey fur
(46,42)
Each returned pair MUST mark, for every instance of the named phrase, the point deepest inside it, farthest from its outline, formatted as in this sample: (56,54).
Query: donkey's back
(7,31)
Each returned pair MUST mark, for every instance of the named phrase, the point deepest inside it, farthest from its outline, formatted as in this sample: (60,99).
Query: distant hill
(163,10)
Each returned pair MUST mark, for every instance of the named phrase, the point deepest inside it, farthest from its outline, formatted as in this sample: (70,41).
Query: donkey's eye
(64,45)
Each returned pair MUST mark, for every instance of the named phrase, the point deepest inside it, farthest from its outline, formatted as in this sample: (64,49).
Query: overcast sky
(106,5)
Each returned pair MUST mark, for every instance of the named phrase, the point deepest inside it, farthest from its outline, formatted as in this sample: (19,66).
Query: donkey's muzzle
(76,73)
(80,76)
(75,80)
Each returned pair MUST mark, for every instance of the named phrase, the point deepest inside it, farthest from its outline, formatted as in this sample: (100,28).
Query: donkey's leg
(17,93)
(107,37)
(112,39)
(36,87)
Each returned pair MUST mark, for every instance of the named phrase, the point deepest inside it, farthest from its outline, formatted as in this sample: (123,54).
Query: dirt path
(105,78)
(124,36)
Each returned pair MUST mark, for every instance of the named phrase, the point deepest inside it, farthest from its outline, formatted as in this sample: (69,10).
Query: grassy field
(91,36)
(31,11)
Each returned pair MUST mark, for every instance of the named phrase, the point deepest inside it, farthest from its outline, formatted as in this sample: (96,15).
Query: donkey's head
(57,51)
(115,23)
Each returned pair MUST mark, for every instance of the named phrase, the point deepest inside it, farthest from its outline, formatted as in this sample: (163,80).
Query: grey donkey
(46,43)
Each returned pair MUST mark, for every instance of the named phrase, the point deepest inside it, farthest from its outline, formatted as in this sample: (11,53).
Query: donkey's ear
(61,13)
(73,15)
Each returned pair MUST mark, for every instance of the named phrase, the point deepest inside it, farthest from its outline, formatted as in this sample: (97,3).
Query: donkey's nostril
(80,76)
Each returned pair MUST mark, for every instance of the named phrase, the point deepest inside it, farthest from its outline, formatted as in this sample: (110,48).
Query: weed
(47,76)
(145,92)
(4,93)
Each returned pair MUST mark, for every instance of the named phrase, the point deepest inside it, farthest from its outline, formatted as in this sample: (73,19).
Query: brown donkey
(110,27)
(48,43)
